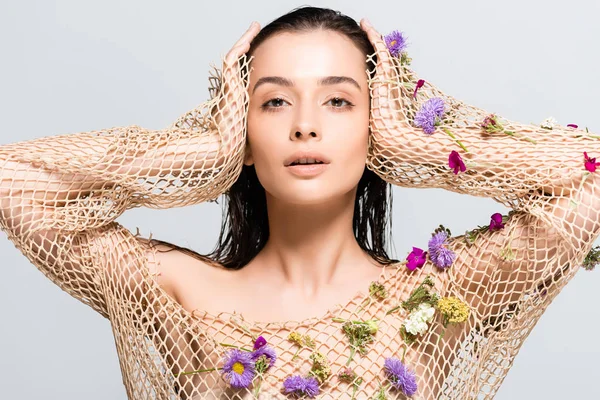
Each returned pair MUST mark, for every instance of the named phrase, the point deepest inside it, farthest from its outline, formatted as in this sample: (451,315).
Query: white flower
(417,320)
(548,123)
(415,326)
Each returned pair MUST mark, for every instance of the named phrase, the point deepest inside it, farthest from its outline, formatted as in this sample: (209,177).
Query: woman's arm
(539,173)
(60,195)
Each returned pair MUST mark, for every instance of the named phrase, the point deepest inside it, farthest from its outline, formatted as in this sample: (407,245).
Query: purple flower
(299,386)
(496,222)
(400,376)
(439,254)
(266,351)
(395,42)
(590,163)
(238,368)
(427,116)
(455,162)
(260,342)
(574,126)
(416,258)
(419,85)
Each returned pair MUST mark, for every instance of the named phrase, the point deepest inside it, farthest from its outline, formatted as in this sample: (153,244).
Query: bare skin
(312,259)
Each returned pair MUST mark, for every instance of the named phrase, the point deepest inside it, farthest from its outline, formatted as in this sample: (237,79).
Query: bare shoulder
(178,268)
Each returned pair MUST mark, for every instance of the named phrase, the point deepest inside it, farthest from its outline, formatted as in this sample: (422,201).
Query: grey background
(73,66)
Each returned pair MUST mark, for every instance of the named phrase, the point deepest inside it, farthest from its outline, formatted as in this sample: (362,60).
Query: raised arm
(424,138)
(60,195)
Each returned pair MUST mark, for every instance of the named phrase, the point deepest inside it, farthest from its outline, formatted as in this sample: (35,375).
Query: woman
(445,323)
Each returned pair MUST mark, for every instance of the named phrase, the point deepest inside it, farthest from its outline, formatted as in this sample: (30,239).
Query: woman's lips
(307,170)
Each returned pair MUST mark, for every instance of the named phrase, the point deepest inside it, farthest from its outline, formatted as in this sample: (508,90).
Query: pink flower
(496,222)
(455,162)
(590,163)
(416,258)
(572,126)
(420,84)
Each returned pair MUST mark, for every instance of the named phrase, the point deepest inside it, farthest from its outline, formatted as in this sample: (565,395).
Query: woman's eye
(339,100)
(273,104)
(276,103)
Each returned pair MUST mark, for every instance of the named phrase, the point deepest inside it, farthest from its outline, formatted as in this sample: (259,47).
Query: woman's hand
(233,98)
(388,120)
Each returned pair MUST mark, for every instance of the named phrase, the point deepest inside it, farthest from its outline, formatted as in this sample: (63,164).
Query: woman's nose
(299,135)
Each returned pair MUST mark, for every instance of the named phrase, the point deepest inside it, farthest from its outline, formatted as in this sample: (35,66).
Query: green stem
(514,134)
(454,137)
(404,353)
(352,353)
(296,353)
(392,310)
(198,371)
(257,387)
(356,385)
(237,347)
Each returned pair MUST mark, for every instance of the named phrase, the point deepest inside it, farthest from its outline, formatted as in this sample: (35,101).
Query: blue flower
(429,113)
(299,386)
(238,368)
(400,376)
(439,254)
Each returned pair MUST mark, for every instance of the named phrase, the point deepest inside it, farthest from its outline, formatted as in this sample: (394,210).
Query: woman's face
(295,112)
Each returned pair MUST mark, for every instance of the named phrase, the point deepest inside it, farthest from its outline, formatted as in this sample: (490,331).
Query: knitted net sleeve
(60,195)
(546,174)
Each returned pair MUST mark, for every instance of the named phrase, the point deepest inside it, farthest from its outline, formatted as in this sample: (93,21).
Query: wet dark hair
(245,227)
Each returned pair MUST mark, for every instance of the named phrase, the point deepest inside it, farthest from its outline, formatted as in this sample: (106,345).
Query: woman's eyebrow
(327,80)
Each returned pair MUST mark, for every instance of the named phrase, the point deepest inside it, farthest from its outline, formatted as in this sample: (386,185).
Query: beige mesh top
(62,194)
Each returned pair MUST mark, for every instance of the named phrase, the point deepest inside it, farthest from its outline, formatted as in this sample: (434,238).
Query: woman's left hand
(388,120)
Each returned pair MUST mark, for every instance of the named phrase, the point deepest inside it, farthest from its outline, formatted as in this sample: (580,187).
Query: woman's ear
(248,159)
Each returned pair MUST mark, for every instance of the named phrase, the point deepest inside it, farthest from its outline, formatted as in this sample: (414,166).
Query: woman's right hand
(230,115)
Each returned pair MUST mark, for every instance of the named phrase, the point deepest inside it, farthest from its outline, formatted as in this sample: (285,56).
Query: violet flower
(590,163)
(300,386)
(266,351)
(439,254)
(238,368)
(496,222)
(260,342)
(428,115)
(455,162)
(395,42)
(416,258)
(400,376)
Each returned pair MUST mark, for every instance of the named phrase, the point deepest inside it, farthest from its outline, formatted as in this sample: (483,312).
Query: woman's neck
(312,246)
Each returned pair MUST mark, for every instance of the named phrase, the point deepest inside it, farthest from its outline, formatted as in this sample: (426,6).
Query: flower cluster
(589,163)
(592,259)
(430,115)
(300,386)
(400,376)
(321,369)
(441,256)
(240,367)
(418,320)
(360,335)
(453,310)
(301,341)
(378,291)
(438,252)
(491,124)
(548,123)
(396,44)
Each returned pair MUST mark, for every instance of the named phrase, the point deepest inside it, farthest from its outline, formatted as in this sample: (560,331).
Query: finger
(243,44)
(385,65)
